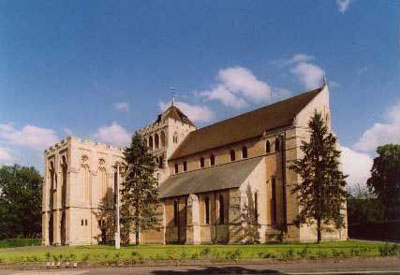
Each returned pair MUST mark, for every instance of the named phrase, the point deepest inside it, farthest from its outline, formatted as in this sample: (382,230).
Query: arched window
(202,162)
(52,185)
(268,147)
(273,201)
(184,166)
(157,141)
(212,160)
(163,139)
(160,162)
(233,157)
(150,142)
(175,138)
(176,213)
(244,152)
(277,145)
(176,168)
(221,209)
(207,210)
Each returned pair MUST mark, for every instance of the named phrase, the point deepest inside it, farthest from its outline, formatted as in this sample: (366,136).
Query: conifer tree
(321,193)
(139,189)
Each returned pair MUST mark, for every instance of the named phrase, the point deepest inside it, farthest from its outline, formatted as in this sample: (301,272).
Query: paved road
(388,265)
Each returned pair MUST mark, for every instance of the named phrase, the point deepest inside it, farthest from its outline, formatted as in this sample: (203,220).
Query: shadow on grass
(218,270)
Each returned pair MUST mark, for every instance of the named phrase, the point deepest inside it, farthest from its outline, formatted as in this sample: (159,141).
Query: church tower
(165,135)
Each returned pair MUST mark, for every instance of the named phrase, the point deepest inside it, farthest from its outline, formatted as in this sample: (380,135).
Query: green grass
(144,253)
(19,242)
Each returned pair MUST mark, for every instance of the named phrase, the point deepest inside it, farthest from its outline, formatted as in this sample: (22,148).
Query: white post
(118,233)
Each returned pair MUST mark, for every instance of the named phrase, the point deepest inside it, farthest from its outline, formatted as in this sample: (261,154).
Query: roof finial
(324,82)
(173,95)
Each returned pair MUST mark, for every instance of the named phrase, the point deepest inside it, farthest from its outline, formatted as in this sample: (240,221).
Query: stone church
(209,178)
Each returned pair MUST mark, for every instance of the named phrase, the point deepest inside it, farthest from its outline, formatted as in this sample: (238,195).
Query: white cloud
(122,106)
(113,134)
(309,75)
(299,57)
(237,85)
(356,165)
(228,98)
(382,133)
(343,5)
(67,131)
(5,156)
(196,113)
(29,136)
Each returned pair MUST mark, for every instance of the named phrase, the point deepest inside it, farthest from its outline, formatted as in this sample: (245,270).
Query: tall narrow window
(201,162)
(221,209)
(185,166)
(176,213)
(256,207)
(273,201)
(244,152)
(157,141)
(163,139)
(207,210)
(151,142)
(160,162)
(212,160)
(176,168)
(277,145)
(233,157)
(268,147)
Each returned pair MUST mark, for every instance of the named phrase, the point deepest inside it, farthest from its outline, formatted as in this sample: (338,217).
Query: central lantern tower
(165,135)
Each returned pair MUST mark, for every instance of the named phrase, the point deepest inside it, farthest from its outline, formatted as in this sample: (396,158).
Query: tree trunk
(137,236)
(319,230)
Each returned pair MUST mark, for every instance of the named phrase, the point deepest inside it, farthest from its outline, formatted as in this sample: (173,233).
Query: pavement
(386,265)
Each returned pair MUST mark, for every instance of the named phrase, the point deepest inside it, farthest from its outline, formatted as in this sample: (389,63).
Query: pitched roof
(245,126)
(174,113)
(209,179)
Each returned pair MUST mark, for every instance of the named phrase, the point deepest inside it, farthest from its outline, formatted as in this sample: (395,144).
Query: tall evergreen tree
(385,179)
(321,194)
(139,189)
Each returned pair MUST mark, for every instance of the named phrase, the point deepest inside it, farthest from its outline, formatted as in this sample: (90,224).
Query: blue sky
(101,69)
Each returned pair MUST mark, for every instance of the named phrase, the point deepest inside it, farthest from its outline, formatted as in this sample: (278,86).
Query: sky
(102,69)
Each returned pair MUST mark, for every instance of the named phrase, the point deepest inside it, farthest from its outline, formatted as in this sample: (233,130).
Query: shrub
(48,256)
(195,256)
(288,254)
(265,255)
(387,250)
(304,253)
(85,257)
(322,254)
(205,252)
(233,255)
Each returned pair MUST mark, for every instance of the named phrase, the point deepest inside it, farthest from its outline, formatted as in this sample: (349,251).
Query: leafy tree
(249,217)
(20,202)
(385,179)
(105,215)
(139,189)
(363,207)
(321,194)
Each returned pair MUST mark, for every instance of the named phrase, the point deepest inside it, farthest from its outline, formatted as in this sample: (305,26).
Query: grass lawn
(144,253)
(19,242)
